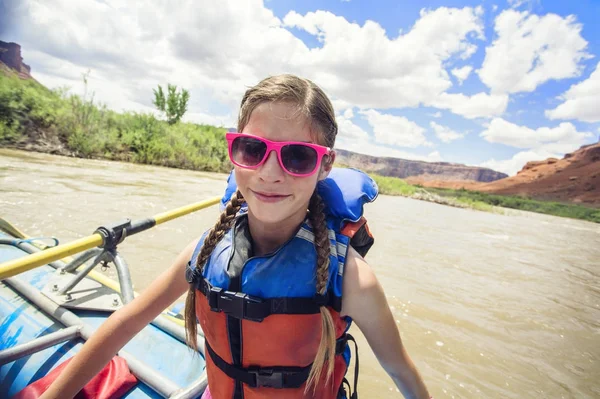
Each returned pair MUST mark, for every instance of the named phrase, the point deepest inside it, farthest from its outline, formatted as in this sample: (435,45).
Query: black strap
(355,391)
(243,306)
(272,377)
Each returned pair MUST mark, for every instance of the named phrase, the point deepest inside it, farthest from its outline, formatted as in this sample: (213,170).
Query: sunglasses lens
(248,151)
(299,159)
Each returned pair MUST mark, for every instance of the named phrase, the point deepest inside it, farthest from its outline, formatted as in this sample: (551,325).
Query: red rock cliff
(10,55)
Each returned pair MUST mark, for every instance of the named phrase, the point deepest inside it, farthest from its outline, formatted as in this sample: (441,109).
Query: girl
(265,282)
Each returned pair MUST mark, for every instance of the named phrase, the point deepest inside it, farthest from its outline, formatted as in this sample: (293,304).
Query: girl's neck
(266,238)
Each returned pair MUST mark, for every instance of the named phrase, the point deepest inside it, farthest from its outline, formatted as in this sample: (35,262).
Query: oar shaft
(20,265)
(184,210)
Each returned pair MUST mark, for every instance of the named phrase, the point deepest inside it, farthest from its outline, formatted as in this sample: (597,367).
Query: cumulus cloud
(581,101)
(363,65)
(531,50)
(539,143)
(444,133)
(513,165)
(395,130)
(462,73)
(480,105)
(352,137)
(562,138)
(230,46)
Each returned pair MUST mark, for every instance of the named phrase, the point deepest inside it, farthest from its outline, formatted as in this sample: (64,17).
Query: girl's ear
(326,165)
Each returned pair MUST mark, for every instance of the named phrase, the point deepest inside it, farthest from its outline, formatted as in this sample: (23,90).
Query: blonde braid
(215,235)
(326,351)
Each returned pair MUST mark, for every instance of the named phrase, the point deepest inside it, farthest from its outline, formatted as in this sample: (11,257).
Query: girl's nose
(271,171)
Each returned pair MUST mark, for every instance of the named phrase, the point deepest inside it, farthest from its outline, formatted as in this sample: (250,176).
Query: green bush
(30,112)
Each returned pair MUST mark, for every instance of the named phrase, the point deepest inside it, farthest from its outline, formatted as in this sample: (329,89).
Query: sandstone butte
(575,178)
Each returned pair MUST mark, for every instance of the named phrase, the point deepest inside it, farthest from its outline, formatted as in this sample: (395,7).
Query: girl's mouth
(269,197)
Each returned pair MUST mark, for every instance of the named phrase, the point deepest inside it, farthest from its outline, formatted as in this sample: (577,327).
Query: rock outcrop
(10,55)
(404,168)
(575,179)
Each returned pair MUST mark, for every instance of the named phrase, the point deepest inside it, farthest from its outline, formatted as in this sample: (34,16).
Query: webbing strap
(272,377)
(243,306)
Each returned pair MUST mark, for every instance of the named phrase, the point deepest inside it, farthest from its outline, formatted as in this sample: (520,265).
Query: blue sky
(489,83)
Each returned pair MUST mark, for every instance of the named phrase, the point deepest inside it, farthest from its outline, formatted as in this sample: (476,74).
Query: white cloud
(462,73)
(395,130)
(494,7)
(563,138)
(513,165)
(539,144)
(444,133)
(349,131)
(227,121)
(219,52)
(352,137)
(480,105)
(438,114)
(368,148)
(531,50)
(362,65)
(516,3)
(581,101)
(348,114)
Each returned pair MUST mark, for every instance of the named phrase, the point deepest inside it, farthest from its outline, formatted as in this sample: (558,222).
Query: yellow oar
(12,230)
(20,265)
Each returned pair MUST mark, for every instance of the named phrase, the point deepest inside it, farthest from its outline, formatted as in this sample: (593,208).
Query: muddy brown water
(489,305)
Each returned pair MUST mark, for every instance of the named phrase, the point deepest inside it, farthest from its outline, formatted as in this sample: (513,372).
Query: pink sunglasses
(295,157)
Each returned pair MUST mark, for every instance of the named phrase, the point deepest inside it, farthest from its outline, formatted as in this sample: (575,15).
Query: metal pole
(148,376)
(83,272)
(38,344)
(171,328)
(124,277)
(194,390)
(81,259)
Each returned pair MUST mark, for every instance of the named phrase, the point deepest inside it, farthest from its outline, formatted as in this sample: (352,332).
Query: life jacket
(261,314)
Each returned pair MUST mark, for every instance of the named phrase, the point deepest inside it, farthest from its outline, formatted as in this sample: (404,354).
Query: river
(489,305)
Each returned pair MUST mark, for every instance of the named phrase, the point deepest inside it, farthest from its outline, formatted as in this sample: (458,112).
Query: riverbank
(33,118)
(485,202)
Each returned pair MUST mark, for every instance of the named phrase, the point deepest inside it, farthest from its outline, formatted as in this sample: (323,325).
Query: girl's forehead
(279,122)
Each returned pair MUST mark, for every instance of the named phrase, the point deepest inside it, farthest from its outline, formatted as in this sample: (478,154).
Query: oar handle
(99,238)
(20,265)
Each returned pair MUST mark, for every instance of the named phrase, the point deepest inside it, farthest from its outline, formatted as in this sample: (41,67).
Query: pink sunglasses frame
(277,146)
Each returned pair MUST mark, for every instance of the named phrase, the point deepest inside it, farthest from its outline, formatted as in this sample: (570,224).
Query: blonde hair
(316,107)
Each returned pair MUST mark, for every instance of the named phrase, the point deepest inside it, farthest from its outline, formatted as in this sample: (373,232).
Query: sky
(482,83)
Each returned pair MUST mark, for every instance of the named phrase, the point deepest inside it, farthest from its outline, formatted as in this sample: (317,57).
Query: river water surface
(488,305)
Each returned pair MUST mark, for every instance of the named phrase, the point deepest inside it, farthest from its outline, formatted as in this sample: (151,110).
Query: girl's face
(275,197)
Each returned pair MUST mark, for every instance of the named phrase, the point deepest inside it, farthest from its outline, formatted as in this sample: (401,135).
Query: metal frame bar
(173,329)
(83,272)
(148,376)
(39,344)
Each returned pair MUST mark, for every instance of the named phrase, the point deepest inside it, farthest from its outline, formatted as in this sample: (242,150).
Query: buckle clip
(234,304)
(213,298)
(266,377)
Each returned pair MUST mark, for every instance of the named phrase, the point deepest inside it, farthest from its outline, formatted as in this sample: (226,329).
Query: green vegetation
(524,204)
(174,105)
(481,201)
(396,186)
(70,124)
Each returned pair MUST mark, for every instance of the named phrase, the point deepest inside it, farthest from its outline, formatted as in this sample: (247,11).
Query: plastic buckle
(233,304)
(268,378)
(213,298)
